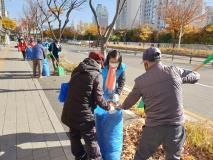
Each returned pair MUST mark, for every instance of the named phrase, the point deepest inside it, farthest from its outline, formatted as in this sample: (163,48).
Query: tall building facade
(2,5)
(102,15)
(1,14)
(130,15)
(150,15)
(139,13)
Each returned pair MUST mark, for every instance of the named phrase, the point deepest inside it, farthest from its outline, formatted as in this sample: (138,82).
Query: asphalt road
(198,98)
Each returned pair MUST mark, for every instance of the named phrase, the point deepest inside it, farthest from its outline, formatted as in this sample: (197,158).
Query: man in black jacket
(55,48)
(84,94)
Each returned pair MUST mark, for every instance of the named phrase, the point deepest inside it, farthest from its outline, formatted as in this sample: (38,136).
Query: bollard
(190,60)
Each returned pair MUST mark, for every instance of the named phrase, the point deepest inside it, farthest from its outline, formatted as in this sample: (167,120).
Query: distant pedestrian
(160,87)
(38,55)
(29,53)
(84,94)
(46,44)
(32,42)
(22,46)
(55,48)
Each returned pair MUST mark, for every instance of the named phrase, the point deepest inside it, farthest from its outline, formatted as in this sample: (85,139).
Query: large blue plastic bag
(63,92)
(45,69)
(109,128)
(29,53)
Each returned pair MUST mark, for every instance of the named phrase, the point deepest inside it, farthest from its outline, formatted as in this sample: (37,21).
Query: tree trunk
(174,38)
(103,45)
(180,36)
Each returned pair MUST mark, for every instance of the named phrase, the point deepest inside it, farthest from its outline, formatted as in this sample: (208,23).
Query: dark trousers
(24,54)
(37,66)
(88,133)
(171,137)
(55,61)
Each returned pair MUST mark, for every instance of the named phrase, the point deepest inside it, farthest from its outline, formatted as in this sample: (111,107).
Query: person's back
(38,52)
(84,93)
(162,94)
(37,56)
(160,88)
(80,92)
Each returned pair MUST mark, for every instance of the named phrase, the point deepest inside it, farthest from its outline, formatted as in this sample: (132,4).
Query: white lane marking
(203,85)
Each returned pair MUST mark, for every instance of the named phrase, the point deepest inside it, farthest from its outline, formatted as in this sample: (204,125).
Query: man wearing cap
(160,87)
(85,92)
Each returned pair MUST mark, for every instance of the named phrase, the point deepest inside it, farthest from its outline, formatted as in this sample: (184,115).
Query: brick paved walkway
(29,128)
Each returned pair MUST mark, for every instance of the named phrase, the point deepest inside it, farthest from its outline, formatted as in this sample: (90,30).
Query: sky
(15,8)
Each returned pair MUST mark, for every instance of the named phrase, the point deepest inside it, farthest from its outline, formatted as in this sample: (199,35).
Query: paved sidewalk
(29,128)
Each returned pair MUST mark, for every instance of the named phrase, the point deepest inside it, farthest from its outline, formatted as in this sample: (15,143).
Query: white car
(74,42)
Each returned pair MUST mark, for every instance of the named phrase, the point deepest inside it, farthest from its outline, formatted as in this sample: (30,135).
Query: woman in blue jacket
(109,126)
(113,75)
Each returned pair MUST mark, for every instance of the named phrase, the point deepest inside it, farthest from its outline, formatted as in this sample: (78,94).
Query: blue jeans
(171,137)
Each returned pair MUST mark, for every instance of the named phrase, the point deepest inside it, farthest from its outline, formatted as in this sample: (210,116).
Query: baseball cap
(152,54)
(97,56)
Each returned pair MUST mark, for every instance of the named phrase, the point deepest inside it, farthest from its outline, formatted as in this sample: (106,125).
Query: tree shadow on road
(11,59)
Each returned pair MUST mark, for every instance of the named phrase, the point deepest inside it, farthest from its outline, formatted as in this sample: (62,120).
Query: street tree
(34,17)
(145,33)
(8,24)
(91,29)
(58,12)
(105,33)
(179,14)
(28,18)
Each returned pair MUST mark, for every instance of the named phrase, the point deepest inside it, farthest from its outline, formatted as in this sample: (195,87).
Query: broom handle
(55,59)
(198,67)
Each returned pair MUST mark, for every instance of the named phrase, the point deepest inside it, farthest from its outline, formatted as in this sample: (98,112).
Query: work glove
(115,98)
(112,109)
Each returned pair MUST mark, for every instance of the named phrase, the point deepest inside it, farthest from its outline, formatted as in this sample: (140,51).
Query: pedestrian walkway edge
(54,120)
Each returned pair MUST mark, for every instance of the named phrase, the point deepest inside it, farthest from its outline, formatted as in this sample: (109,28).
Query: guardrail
(191,58)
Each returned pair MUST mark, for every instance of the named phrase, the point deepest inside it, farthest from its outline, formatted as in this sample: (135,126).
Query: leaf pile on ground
(199,143)
(68,66)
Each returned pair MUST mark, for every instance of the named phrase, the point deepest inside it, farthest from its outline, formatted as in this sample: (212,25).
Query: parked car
(94,44)
(74,42)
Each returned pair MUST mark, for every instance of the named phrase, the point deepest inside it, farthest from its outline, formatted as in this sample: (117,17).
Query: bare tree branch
(106,35)
(95,16)
(59,10)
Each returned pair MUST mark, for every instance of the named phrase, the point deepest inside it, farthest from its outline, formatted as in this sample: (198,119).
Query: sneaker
(40,77)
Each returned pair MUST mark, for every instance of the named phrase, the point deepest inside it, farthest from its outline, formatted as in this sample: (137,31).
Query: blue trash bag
(45,69)
(63,92)
(29,53)
(109,128)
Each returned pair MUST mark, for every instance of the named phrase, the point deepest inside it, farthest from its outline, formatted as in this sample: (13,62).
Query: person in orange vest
(22,46)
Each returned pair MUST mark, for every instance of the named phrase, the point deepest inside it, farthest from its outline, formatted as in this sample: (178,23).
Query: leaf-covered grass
(175,51)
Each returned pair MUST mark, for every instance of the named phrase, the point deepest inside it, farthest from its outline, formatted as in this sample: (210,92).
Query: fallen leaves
(132,135)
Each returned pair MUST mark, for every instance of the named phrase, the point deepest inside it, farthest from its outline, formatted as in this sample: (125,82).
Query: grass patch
(170,51)
(68,66)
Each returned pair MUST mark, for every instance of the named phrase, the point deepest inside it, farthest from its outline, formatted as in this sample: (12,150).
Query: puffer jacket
(84,94)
